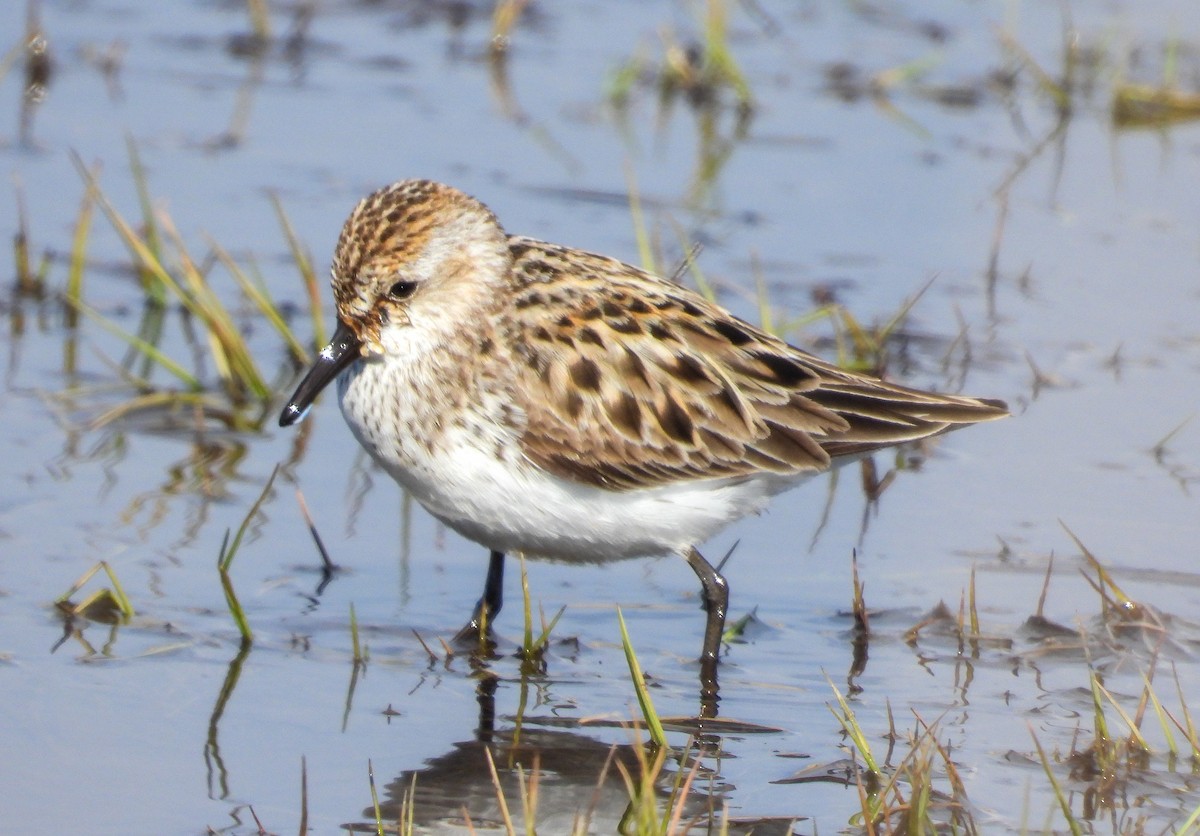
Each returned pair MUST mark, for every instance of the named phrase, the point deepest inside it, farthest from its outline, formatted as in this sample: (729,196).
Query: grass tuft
(905,799)
(104,605)
(405,821)
(701,68)
(1158,105)
(173,280)
(533,650)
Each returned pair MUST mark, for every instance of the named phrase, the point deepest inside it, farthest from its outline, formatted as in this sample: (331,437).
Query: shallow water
(1063,258)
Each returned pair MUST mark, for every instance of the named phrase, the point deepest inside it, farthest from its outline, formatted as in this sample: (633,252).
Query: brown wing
(632,381)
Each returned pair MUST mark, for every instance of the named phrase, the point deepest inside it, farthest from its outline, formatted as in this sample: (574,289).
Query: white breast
(475,479)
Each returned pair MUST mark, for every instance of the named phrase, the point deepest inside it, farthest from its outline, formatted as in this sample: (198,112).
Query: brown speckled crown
(389,227)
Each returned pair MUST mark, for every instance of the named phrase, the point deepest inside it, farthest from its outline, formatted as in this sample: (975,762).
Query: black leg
(488,607)
(716,602)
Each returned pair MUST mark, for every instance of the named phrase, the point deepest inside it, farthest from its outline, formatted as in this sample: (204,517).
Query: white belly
(475,480)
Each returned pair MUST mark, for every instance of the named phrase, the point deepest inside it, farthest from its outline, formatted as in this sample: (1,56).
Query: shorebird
(542,399)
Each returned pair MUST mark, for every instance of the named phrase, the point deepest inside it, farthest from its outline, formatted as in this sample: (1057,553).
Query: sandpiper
(551,401)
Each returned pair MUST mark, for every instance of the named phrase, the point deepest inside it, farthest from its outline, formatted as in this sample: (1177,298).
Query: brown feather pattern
(638,382)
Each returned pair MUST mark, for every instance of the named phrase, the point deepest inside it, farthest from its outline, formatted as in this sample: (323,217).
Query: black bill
(342,350)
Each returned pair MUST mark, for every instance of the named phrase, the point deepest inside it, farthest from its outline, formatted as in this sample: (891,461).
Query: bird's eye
(402,290)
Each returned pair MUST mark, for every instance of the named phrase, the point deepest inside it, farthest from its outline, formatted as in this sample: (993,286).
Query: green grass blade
(79,242)
(142,346)
(171,400)
(657,735)
(1063,803)
(227,556)
(257,294)
(304,265)
(544,637)
(1191,826)
(231,599)
(1161,714)
(225,560)
(227,344)
(78,585)
(854,731)
(123,602)
(154,288)
(360,652)
(1135,733)
(720,65)
(527,639)
(375,799)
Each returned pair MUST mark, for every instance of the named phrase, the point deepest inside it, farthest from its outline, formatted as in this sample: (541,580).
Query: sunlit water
(1063,259)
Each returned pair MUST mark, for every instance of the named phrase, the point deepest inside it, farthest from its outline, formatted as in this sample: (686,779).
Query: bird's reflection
(577,782)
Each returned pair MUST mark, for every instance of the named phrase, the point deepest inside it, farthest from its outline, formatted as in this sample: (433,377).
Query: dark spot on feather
(590,335)
(633,365)
(732,331)
(660,331)
(625,325)
(586,374)
(689,369)
(529,300)
(574,404)
(786,371)
(675,421)
(626,414)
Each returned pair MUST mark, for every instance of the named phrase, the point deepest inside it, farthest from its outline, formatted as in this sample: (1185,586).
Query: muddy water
(1061,257)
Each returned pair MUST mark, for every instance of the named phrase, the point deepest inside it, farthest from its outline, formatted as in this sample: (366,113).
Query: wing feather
(628,380)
